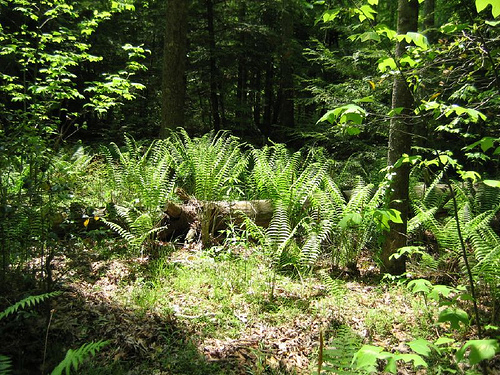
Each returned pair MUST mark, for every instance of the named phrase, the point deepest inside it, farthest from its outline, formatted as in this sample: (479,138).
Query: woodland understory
(263,187)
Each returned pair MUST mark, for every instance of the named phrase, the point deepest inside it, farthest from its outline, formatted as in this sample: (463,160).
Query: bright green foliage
(339,352)
(480,350)
(140,176)
(211,167)
(495,6)
(141,181)
(27,302)
(74,358)
(454,316)
(47,49)
(367,357)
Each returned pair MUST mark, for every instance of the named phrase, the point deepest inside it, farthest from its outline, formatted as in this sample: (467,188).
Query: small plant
(73,358)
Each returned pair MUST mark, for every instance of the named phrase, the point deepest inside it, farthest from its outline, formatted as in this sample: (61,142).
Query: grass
(225,300)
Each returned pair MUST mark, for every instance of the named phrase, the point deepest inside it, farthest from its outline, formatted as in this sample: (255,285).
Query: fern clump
(212,167)
(337,356)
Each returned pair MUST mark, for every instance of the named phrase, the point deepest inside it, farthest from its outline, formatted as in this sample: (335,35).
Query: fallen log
(207,218)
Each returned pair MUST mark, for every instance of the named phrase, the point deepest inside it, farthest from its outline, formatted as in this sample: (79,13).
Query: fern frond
(125,234)
(5,365)
(27,302)
(312,246)
(339,354)
(74,358)
(335,287)
(279,230)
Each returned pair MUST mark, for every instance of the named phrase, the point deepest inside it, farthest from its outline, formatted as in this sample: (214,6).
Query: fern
(211,167)
(144,178)
(140,227)
(74,358)
(5,365)
(27,302)
(335,287)
(339,354)
(316,237)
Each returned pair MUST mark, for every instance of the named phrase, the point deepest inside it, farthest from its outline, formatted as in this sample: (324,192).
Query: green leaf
(383,29)
(492,23)
(473,114)
(418,39)
(440,290)
(349,113)
(480,350)
(421,346)
(330,15)
(328,116)
(471,175)
(385,63)
(351,218)
(454,315)
(492,183)
(415,358)
(366,99)
(420,285)
(369,35)
(366,357)
(495,6)
(365,12)
(444,341)
(407,60)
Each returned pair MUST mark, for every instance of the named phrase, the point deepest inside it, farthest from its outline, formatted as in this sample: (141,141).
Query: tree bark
(429,22)
(286,108)
(268,100)
(399,144)
(214,94)
(174,67)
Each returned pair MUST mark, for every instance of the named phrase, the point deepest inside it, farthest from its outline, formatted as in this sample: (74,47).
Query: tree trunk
(429,22)
(214,95)
(174,67)
(286,85)
(268,100)
(256,89)
(399,144)
(241,87)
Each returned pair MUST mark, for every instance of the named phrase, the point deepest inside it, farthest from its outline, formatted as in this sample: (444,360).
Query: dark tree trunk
(268,99)
(214,95)
(256,97)
(174,67)
(286,85)
(241,88)
(429,22)
(399,144)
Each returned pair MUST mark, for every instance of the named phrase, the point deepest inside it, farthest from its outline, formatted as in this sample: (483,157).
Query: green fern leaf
(27,302)
(74,358)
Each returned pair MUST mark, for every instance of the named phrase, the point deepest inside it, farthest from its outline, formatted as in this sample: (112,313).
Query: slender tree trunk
(214,95)
(399,144)
(241,89)
(256,97)
(268,99)
(429,22)
(174,67)
(286,87)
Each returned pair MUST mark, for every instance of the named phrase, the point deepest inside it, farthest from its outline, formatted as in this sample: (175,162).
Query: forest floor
(223,311)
